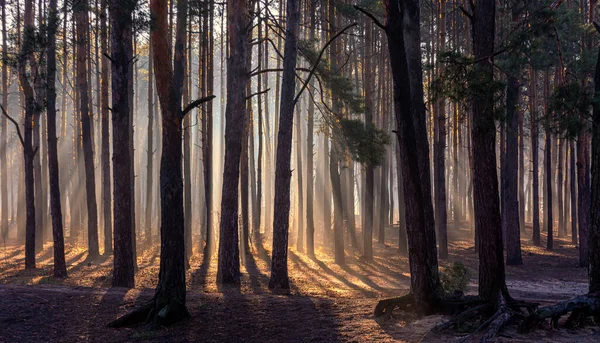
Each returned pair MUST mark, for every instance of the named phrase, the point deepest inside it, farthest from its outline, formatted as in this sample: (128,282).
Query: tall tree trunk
(310,220)
(548,206)
(283,174)
(208,137)
(573,191)
(583,199)
(4,133)
(150,152)
(29,150)
(402,31)
(60,269)
(485,181)
(81,17)
(513,232)
(369,191)
(105,117)
(300,216)
(594,227)
(170,295)
(121,56)
(535,204)
(237,77)
(441,214)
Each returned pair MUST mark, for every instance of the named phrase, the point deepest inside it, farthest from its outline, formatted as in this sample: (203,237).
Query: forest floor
(327,303)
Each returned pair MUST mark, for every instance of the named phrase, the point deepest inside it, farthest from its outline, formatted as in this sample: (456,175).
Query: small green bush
(455,278)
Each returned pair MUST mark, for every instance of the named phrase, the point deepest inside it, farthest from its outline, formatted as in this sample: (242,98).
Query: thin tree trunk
(535,204)
(60,269)
(106,180)
(513,232)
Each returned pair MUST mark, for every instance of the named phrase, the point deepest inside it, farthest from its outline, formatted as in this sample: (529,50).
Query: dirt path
(328,303)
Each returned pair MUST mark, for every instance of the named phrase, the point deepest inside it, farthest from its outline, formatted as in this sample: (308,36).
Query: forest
(300,171)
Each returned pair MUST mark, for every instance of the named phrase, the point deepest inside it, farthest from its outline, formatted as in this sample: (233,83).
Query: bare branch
(371,16)
(258,93)
(314,68)
(195,104)
(16,125)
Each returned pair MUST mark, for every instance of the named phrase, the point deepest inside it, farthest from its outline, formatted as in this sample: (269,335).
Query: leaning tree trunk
(121,56)
(283,175)
(60,269)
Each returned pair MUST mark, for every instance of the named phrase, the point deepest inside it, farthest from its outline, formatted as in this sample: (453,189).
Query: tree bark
(485,181)
(60,269)
(81,17)
(121,57)
(534,163)
(283,174)
(401,28)
(513,232)
(548,205)
(237,77)
(369,191)
(105,117)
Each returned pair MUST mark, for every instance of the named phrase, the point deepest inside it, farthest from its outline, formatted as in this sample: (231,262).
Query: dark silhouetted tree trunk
(60,269)
(573,185)
(283,173)
(4,133)
(369,191)
(150,152)
(488,224)
(81,17)
(121,58)
(548,205)
(105,118)
(237,77)
(439,153)
(513,232)
(535,204)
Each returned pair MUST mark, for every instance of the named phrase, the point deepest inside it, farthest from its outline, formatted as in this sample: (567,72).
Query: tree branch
(314,68)
(16,125)
(195,104)
(371,16)
(258,93)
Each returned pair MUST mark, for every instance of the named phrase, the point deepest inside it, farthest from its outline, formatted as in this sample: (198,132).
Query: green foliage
(461,81)
(569,106)
(455,278)
(366,143)
(333,80)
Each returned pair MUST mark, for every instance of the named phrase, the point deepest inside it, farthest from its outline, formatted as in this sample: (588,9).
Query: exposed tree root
(494,317)
(580,308)
(385,307)
(154,313)
(134,317)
